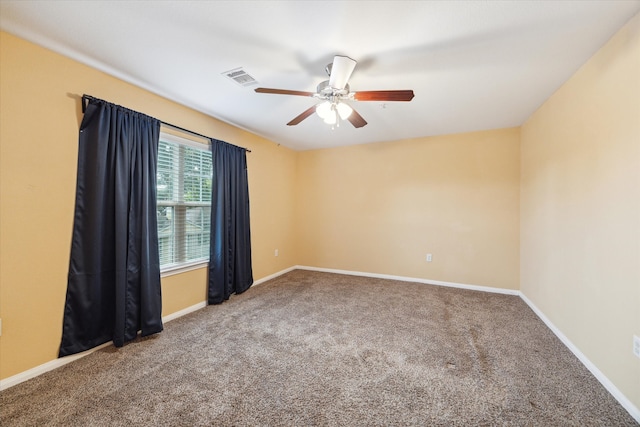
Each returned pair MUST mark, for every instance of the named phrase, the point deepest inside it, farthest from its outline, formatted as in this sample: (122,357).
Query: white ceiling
(473,65)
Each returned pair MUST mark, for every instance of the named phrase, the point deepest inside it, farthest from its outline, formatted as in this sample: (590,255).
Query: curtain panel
(113,288)
(230,268)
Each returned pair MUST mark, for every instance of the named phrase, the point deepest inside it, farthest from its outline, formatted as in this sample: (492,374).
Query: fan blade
(284,91)
(341,71)
(302,116)
(356,119)
(383,95)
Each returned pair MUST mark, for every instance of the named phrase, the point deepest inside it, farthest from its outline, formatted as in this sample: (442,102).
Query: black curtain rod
(86,98)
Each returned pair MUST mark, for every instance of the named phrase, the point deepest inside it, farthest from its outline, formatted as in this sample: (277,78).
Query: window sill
(183,268)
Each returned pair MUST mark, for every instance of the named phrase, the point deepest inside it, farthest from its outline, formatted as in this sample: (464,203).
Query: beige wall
(40,113)
(580,211)
(552,208)
(381,208)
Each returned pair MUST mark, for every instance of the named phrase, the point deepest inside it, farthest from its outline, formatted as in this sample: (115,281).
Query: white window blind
(184,201)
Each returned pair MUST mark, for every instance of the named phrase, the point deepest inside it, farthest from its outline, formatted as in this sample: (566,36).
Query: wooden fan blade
(384,95)
(356,119)
(284,91)
(306,113)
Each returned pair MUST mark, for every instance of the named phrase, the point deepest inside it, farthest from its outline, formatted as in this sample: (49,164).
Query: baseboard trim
(273,276)
(57,363)
(46,367)
(607,384)
(184,311)
(414,280)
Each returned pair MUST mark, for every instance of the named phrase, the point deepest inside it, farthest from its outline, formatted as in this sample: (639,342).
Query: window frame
(183,266)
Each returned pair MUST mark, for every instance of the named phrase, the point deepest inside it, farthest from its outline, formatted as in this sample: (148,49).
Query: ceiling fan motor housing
(325,91)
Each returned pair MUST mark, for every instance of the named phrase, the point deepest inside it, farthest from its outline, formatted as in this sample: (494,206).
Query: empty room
(330,213)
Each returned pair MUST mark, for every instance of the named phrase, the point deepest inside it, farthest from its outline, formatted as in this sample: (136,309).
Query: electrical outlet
(429,258)
(636,345)
(275,253)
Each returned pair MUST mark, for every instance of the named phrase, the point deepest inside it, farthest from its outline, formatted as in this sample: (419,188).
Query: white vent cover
(240,76)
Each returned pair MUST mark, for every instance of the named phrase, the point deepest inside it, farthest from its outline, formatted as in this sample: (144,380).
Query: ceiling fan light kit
(330,111)
(335,91)
(344,111)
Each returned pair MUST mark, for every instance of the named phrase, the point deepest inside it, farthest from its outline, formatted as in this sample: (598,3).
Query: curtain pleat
(113,288)
(230,269)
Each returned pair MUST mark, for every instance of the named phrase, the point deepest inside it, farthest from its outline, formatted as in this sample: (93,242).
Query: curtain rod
(89,97)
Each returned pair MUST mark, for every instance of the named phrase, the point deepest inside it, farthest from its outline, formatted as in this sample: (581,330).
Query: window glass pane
(165,234)
(198,226)
(198,172)
(165,179)
(184,202)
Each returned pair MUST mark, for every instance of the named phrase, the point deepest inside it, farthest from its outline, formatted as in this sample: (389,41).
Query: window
(184,202)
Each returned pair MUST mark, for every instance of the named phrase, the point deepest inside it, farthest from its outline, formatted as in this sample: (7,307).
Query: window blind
(184,178)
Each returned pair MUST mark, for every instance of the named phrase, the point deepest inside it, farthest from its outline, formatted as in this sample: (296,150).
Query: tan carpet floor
(310,348)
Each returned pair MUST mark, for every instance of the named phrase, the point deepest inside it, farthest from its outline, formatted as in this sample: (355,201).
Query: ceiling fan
(335,91)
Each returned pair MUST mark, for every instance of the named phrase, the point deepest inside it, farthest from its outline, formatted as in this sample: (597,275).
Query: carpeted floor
(311,348)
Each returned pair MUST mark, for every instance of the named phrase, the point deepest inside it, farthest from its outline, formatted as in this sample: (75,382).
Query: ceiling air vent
(240,76)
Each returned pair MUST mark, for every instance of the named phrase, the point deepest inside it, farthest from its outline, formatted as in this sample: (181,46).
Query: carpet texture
(310,348)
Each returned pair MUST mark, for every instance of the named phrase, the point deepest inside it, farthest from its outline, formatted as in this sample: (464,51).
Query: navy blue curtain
(230,254)
(113,288)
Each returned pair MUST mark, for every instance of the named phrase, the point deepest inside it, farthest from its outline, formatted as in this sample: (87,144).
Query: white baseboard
(57,363)
(184,311)
(415,280)
(273,276)
(46,367)
(611,388)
